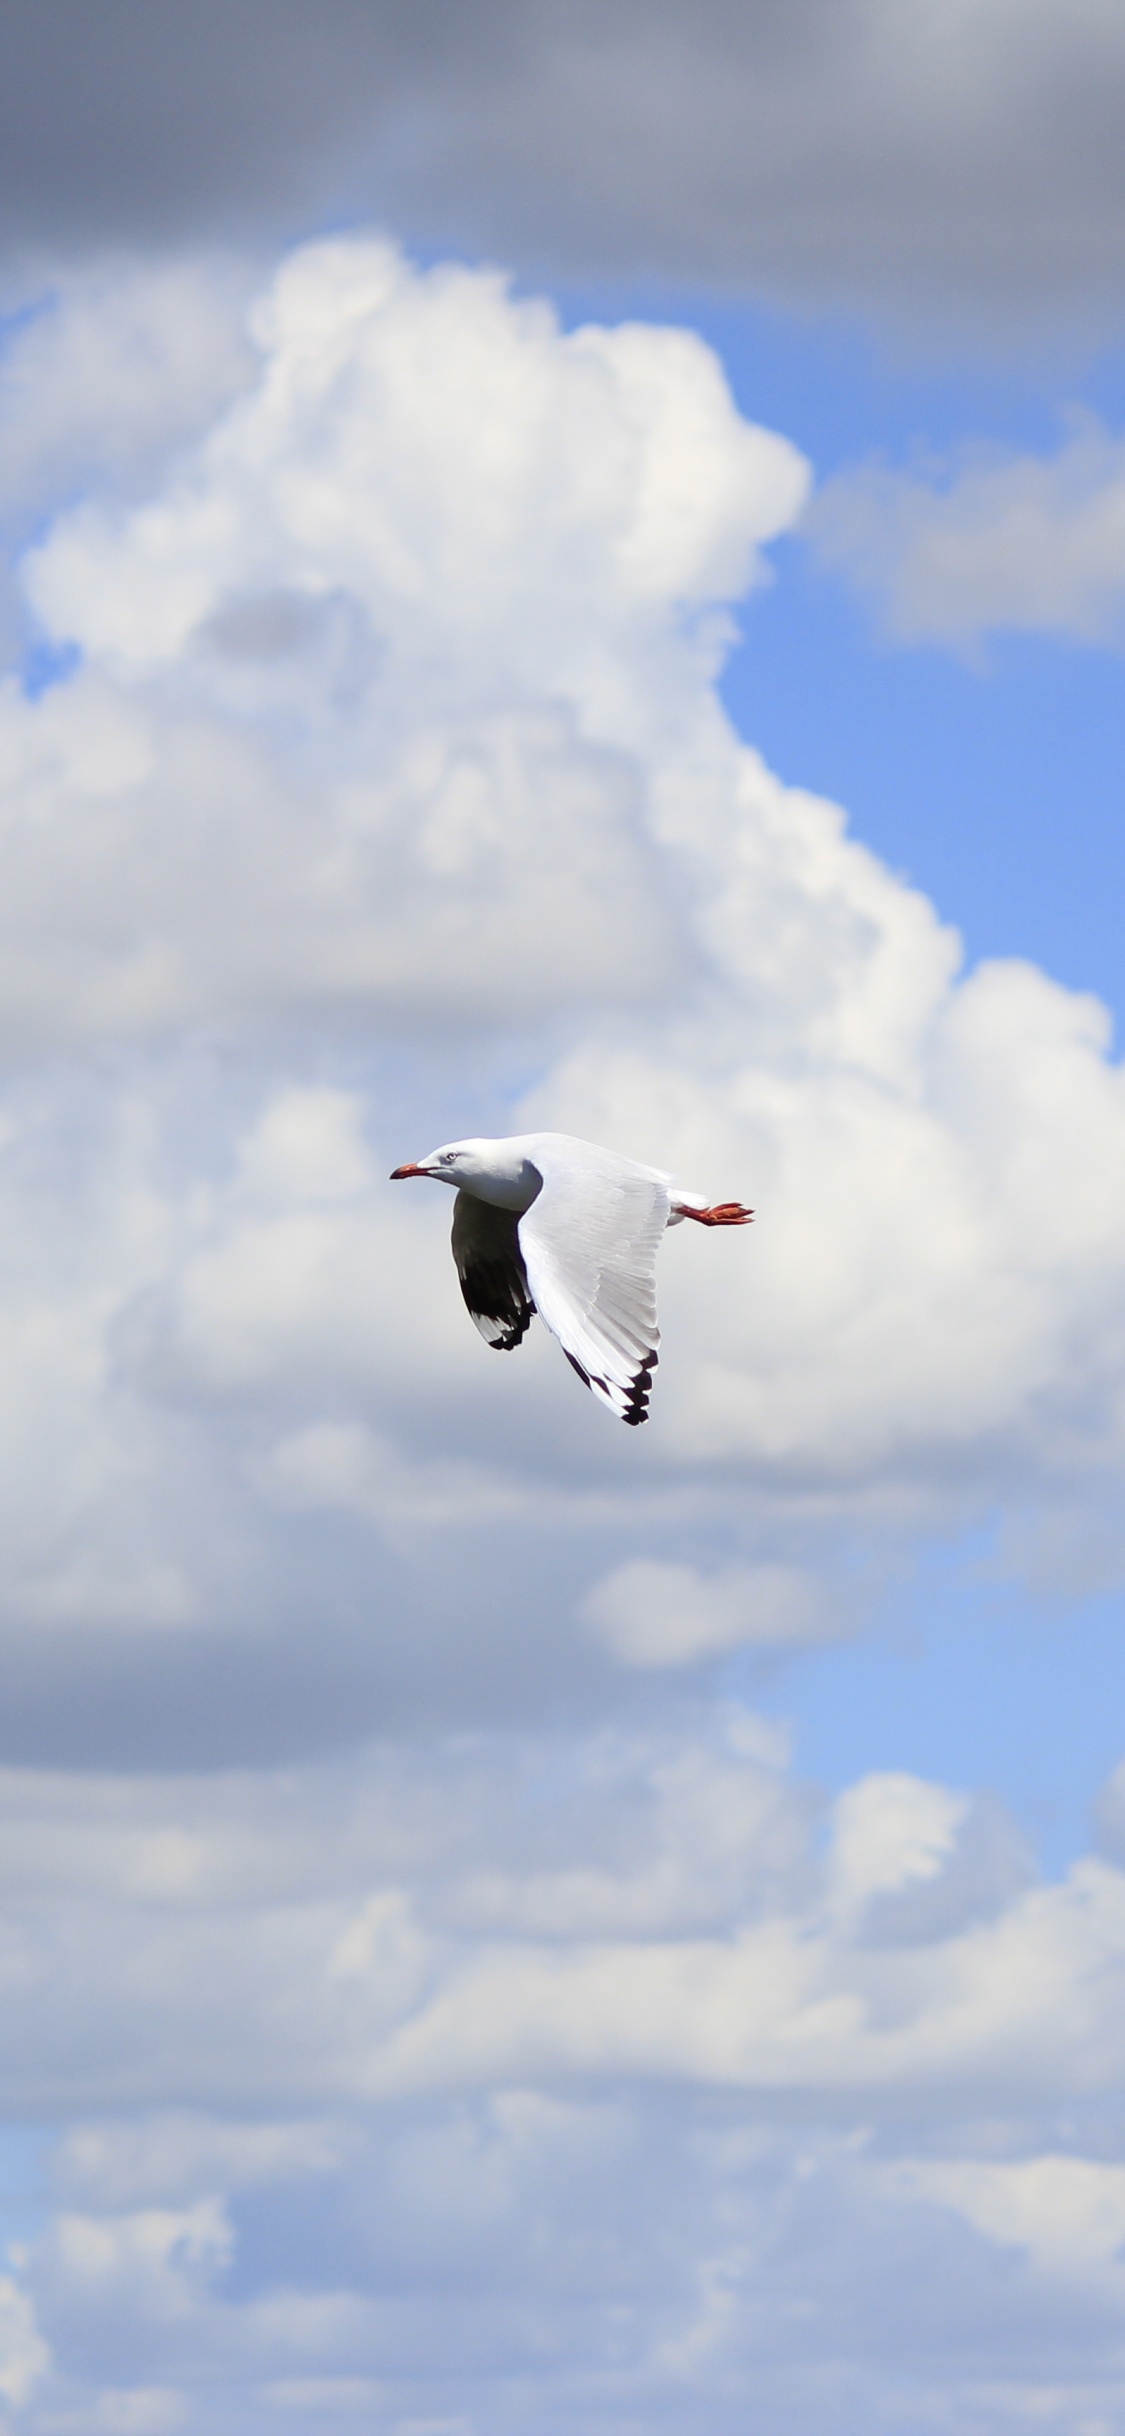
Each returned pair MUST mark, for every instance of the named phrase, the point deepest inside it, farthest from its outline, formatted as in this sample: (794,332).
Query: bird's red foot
(722,1213)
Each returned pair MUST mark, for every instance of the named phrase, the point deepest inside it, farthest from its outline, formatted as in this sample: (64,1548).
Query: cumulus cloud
(380,1873)
(1002,544)
(513,526)
(105,372)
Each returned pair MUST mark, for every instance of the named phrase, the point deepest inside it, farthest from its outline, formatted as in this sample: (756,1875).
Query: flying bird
(545,1223)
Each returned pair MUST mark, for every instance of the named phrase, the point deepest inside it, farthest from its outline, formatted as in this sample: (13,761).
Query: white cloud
(24,2357)
(889,1832)
(1067,2213)
(104,375)
(442,454)
(107,372)
(652,1614)
(996,543)
(403,617)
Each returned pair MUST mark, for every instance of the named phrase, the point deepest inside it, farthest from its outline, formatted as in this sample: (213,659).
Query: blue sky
(562,570)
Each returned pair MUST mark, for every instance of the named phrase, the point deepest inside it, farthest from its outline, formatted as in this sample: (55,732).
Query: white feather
(589,1242)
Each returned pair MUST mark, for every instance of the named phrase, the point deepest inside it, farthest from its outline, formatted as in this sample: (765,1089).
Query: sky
(562,567)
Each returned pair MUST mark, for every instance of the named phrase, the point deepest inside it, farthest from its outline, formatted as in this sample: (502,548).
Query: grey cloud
(995,542)
(312,1638)
(141,123)
(872,152)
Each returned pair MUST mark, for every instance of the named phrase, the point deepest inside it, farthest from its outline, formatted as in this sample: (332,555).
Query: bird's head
(453,1164)
(498,1172)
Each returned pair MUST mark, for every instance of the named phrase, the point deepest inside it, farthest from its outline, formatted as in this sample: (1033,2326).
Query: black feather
(636,1408)
(486,1248)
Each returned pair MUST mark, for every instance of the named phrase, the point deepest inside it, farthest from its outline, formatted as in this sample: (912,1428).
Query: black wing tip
(512,1336)
(494,1283)
(636,1408)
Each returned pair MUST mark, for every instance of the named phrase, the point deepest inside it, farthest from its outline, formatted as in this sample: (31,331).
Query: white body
(510,1171)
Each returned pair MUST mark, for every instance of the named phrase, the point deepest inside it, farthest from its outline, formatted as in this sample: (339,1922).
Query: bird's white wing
(589,1243)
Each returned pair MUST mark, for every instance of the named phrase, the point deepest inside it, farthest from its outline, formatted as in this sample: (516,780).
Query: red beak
(408,1170)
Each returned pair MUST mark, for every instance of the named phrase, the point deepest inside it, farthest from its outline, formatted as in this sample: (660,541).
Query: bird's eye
(449,1158)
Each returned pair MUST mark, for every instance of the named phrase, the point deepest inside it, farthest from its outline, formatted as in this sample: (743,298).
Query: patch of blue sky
(47,663)
(998,790)
(14,323)
(967,1680)
(25,2195)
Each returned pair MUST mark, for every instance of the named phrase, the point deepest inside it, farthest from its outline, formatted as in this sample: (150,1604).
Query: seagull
(545,1223)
